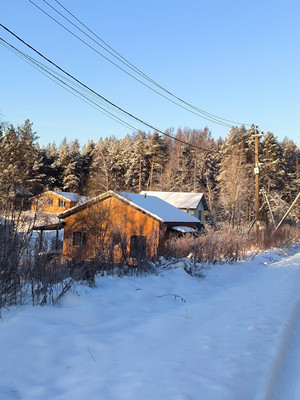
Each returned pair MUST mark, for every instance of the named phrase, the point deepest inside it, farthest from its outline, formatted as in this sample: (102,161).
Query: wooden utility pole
(256,173)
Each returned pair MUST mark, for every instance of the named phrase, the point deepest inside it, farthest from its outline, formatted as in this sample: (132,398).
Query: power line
(89,90)
(198,113)
(178,101)
(57,78)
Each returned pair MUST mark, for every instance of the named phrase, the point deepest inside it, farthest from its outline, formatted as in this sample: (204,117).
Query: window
(199,215)
(61,203)
(79,239)
(138,247)
(116,238)
(50,202)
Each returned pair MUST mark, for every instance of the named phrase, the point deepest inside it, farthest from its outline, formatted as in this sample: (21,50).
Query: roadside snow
(162,337)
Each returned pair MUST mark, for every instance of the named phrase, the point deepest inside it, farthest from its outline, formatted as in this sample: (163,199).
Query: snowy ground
(234,335)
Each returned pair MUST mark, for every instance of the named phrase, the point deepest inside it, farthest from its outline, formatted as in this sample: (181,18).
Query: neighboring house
(192,203)
(129,222)
(44,215)
(55,202)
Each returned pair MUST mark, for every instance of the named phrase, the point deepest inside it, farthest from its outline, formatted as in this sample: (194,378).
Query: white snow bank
(163,337)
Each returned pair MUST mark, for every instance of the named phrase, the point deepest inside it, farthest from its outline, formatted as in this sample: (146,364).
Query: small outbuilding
(191,203)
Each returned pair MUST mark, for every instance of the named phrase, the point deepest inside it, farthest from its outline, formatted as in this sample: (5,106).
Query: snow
(158,208)
(178,199)
(184,229)
(232,335)
(72,196)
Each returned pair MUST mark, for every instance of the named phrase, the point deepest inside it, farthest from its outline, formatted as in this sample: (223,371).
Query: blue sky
(239,60)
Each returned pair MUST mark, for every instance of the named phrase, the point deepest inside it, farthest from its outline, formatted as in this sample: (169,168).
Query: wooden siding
(198,212)
(92,229)
(51,203)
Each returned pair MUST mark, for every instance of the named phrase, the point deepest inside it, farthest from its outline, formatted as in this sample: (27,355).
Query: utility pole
(256,136)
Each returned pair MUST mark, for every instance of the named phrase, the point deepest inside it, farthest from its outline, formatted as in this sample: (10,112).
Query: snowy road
(233,335)
(285,377)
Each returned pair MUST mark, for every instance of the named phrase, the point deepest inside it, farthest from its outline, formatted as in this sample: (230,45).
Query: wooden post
(41,240)
(56,240)
(256,173)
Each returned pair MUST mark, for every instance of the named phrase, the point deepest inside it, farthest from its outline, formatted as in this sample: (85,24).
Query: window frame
(79,239)
(61,203)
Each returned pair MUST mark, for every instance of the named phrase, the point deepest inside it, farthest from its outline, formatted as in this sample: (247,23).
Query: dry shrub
(48,279)
(284,236)
(233,245)
(213,246)
(178,246)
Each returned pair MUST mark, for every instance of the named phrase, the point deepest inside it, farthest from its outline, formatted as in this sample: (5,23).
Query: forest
(188,160)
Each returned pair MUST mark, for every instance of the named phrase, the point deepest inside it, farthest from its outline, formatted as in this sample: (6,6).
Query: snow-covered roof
(158,208)
(151,205)
(39,218)
(70,196)
(179,199)
(67,195)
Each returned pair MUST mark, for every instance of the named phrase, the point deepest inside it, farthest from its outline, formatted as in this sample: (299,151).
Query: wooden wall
(41,203)
(106,223)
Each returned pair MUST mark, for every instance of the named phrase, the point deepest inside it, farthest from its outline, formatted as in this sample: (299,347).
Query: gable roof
(180,199)
(72,196)
(66,195)
(150,205)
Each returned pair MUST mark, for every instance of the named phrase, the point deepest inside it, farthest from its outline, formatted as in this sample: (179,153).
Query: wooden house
(125,222)
(192,203)
(55,202)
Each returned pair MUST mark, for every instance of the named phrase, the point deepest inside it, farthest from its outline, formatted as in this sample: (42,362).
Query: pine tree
(18,158)
(155,151)
(87,157)
(290,157)
(68,166)
(108,167)
(49,169)
(137,171)
(30,161)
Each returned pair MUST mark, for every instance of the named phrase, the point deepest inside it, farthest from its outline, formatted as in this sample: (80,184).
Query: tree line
(187,160)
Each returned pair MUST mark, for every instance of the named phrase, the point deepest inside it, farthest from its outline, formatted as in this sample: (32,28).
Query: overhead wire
(52,75)
(209,118)
(179,101)
(99,96)
(138,70)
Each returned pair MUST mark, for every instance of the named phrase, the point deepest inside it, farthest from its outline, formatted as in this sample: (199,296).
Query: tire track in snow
(284,380)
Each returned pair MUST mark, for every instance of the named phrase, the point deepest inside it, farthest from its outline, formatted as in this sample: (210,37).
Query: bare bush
(233,245)
(284,236)
(213,246)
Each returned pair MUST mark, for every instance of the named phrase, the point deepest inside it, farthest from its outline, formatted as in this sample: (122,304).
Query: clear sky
(236,59)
